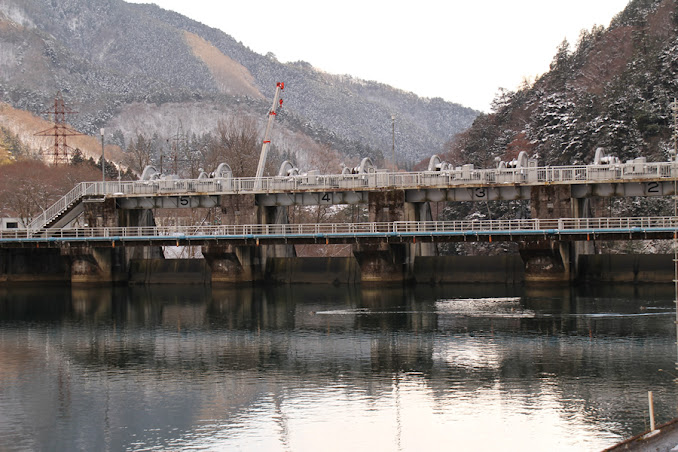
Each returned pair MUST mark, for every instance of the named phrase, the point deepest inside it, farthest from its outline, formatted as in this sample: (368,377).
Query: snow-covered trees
(112,56)
(612,91)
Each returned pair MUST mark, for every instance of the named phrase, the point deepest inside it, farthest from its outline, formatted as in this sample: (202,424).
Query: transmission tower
(60,130)
(178,145)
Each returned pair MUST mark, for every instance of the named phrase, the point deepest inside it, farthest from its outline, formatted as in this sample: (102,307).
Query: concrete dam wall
(49,265)
(507,269)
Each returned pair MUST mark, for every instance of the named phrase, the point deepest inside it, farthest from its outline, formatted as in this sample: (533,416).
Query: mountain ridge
(106,54)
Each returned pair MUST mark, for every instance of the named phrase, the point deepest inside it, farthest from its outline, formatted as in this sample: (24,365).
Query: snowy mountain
(141,70)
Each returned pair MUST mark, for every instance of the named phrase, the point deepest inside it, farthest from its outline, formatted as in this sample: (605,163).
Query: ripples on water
(324,368)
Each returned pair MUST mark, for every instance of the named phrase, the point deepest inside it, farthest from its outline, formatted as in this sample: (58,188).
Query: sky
(461,51)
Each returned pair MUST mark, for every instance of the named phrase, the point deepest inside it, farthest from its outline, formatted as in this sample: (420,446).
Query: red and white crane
(277,102)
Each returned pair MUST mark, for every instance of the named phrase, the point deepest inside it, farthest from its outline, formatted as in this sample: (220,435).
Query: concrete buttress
(549,260)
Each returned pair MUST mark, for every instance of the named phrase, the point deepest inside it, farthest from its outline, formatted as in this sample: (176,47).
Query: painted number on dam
(653,188)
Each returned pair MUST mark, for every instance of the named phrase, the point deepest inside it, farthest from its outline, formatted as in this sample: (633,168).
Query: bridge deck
(374,181)
(329,233)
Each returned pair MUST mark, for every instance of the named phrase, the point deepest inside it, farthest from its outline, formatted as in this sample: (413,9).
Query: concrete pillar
(91,264)
(274,215)
(134,218)
(546,261)
(94,265)
(549,260)
(230,264)
(583,209)
(241,264)
(238,209)
(383,262)
(98,265)
(420,211)
(101,214)
(551,201)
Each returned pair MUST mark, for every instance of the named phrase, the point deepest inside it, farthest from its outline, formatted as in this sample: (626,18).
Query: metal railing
(403,228)
(582,174)
(62,205)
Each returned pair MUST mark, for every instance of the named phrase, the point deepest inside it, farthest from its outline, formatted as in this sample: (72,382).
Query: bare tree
(237,143)
(30,186)
(139,153)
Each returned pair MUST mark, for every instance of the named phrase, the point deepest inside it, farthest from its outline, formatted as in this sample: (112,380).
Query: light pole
(674,159)
(393,145)
(103,171)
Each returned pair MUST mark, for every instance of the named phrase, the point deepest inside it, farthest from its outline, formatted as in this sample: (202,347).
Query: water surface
(309,368)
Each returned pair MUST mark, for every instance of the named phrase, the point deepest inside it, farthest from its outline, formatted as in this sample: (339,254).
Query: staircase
(65,209)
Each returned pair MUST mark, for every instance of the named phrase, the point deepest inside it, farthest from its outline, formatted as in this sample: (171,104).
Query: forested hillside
(111,59)
(613,89)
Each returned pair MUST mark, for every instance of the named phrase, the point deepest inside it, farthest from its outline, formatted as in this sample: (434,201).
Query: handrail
(413,180)
(55,209)
(576,174)
(551,226)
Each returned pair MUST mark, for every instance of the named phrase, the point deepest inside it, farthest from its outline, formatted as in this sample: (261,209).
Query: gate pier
(550,259)
(230,264)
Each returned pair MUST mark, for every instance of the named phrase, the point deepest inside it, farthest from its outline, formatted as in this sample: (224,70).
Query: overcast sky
(462,51)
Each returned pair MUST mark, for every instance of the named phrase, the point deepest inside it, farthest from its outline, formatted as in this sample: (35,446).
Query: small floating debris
(344,311)
(508,307)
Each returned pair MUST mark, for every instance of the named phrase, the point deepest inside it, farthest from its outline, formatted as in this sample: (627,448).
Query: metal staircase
(65,209)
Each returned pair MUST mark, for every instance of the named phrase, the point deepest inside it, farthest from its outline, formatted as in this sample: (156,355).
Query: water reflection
(297,367)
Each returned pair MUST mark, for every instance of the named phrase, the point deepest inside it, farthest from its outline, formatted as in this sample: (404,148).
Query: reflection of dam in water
(152,358)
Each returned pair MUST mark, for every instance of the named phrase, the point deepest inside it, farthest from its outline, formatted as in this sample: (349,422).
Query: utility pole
(674,107)
(267,140)
(103,169)
(393,146)
(178,145)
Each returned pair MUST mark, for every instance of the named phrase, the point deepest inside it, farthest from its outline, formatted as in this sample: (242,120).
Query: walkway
(329,233)
(501,178)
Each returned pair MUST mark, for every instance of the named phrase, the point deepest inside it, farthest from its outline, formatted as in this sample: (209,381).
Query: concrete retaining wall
(313,270)
(627,268)
(502,269)
(169,271)
(48,265)
(30,265)
(506,269)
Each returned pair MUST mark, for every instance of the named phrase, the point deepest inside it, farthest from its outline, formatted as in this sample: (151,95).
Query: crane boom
(277,101)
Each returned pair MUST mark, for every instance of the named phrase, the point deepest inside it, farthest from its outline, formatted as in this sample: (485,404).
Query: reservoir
(334,368)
